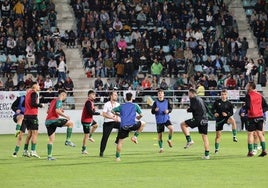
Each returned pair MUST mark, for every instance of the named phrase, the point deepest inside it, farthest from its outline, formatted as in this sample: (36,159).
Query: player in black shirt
(223,112)
(199,120)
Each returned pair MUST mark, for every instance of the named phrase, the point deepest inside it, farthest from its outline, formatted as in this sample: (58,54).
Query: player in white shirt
(110,120)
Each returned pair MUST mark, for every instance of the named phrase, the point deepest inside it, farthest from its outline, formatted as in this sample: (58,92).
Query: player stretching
(53,121)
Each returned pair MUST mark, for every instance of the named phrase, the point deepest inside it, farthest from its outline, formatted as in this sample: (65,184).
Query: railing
(177,98)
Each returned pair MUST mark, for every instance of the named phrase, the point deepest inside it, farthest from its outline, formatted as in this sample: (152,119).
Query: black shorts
(51,128)
(255,124)
(15,117)
(220,122)
(86,126)
(161,126)
(201,124)
(124,131)
(31,122)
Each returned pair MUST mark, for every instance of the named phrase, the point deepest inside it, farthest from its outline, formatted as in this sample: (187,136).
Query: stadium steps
(239,14)
(65,15)
(66,21)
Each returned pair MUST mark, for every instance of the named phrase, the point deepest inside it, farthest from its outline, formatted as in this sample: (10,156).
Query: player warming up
(223,111)
(199,120)
(128,112)
(89,125)
(53,120)
(255,105)
(161,109)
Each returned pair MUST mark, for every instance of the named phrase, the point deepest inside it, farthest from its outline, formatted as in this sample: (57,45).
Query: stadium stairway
(237,10)
(66,21)
(239,14)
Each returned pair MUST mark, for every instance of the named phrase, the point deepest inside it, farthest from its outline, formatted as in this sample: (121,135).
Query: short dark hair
(112,92)
(192,90)
(224,91)
(128,96)
(34,83)
(252,85)
(90,91)
(160,90)
(60,91)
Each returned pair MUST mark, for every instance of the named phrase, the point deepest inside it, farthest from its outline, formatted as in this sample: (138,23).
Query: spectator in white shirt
(62,70)
(52,67)
(48,83)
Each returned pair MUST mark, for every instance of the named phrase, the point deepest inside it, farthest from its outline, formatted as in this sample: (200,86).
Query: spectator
(98,83)
(11,45)
(128,69)
(136,83)
(29,81)
(108,85)
(48,83)
(62,70)
(261,71)
(218,65)
(9,84)
(244,47)
(52,17)
(146,83)
(122,44)
(72,37)
(52,67)
(163,84)
(156,69)
(249,67)
(69,86)
(109,67)
(231,83)
(120,69)
(117,25)
(18,9)
(2,86)
(59,85)
(41,82)
(21,71)
(100,71)
(200,91)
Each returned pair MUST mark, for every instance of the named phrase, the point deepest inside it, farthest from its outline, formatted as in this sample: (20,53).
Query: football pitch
(141,165)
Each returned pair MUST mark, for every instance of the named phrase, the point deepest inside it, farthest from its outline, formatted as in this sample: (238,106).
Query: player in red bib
(53,121)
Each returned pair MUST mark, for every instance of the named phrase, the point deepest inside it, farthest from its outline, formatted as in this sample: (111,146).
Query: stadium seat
(3,58)
(144,69)
(226,68)
(130,46)
(166,49)
(213,57)
(127,39)
(259,87)
(20,57)
(198,68)
(249,12)
(168,57)
(156,48)
(12,58)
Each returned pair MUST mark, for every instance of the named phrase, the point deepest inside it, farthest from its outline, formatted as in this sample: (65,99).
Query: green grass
(141,165)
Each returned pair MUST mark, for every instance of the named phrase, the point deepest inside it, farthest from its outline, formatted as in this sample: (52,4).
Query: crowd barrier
(7,126)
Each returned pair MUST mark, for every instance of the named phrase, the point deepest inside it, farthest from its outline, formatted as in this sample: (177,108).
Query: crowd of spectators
(30,44)
(195,42)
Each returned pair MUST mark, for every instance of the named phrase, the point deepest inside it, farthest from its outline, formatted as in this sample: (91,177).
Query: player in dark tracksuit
(18,106)
(199,120)
(223,112)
